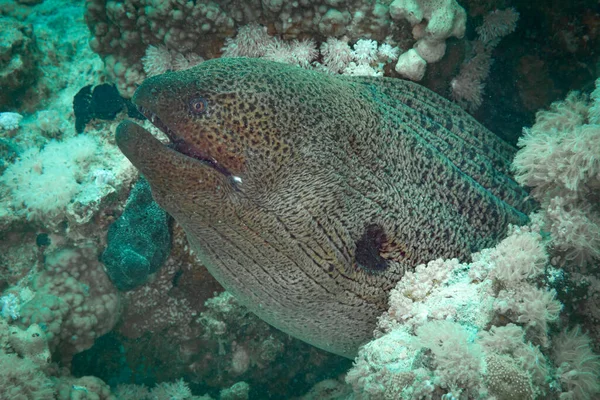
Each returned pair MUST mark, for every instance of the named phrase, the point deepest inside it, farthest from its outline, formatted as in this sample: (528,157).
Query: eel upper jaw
(180,145)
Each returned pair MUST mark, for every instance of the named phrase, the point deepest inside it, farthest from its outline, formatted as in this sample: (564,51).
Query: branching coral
(252,40)
(560,161)
(383,366)
(177,390)
(497,24)
(558,151)
(26,372)
(337,54)
(20,378)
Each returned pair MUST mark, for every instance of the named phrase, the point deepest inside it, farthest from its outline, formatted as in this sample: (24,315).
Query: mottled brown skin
(333,170)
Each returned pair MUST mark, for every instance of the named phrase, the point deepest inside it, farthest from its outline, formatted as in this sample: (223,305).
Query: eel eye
(198,105)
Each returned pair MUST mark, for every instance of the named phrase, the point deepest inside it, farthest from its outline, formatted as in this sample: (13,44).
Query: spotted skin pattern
(308,196)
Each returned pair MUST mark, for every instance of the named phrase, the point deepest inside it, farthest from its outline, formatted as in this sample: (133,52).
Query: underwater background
(102,297)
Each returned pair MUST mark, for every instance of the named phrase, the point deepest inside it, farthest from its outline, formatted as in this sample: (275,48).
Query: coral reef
(476,330)
(433,21)
(26,372)
(74,301)
(178,390)
(520,321)
(18,53)
(22,369)
(560,162)
(468,86)
(123,31)
(45,58)
(10,121)
(44,187)
(578,366)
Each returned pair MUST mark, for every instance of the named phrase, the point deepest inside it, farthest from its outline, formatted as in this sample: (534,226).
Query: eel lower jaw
(181,146)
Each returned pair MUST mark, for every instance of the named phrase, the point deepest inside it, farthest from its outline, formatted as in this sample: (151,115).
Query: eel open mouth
(181,146)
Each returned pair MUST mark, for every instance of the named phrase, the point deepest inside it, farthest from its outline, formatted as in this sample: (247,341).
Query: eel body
(308,196)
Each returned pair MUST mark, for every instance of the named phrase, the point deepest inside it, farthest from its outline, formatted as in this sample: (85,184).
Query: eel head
(219,118)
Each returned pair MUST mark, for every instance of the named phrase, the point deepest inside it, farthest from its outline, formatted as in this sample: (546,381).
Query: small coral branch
(496,25)
(468,86)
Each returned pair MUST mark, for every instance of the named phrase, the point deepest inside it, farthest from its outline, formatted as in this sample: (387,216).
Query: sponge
(139,241)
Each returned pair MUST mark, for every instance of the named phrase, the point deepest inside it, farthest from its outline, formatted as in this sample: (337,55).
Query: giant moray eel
(308,195)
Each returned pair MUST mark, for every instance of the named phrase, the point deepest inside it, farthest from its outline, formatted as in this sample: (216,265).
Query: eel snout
(148,154)
(154,159)
(171,173)
(136,143)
